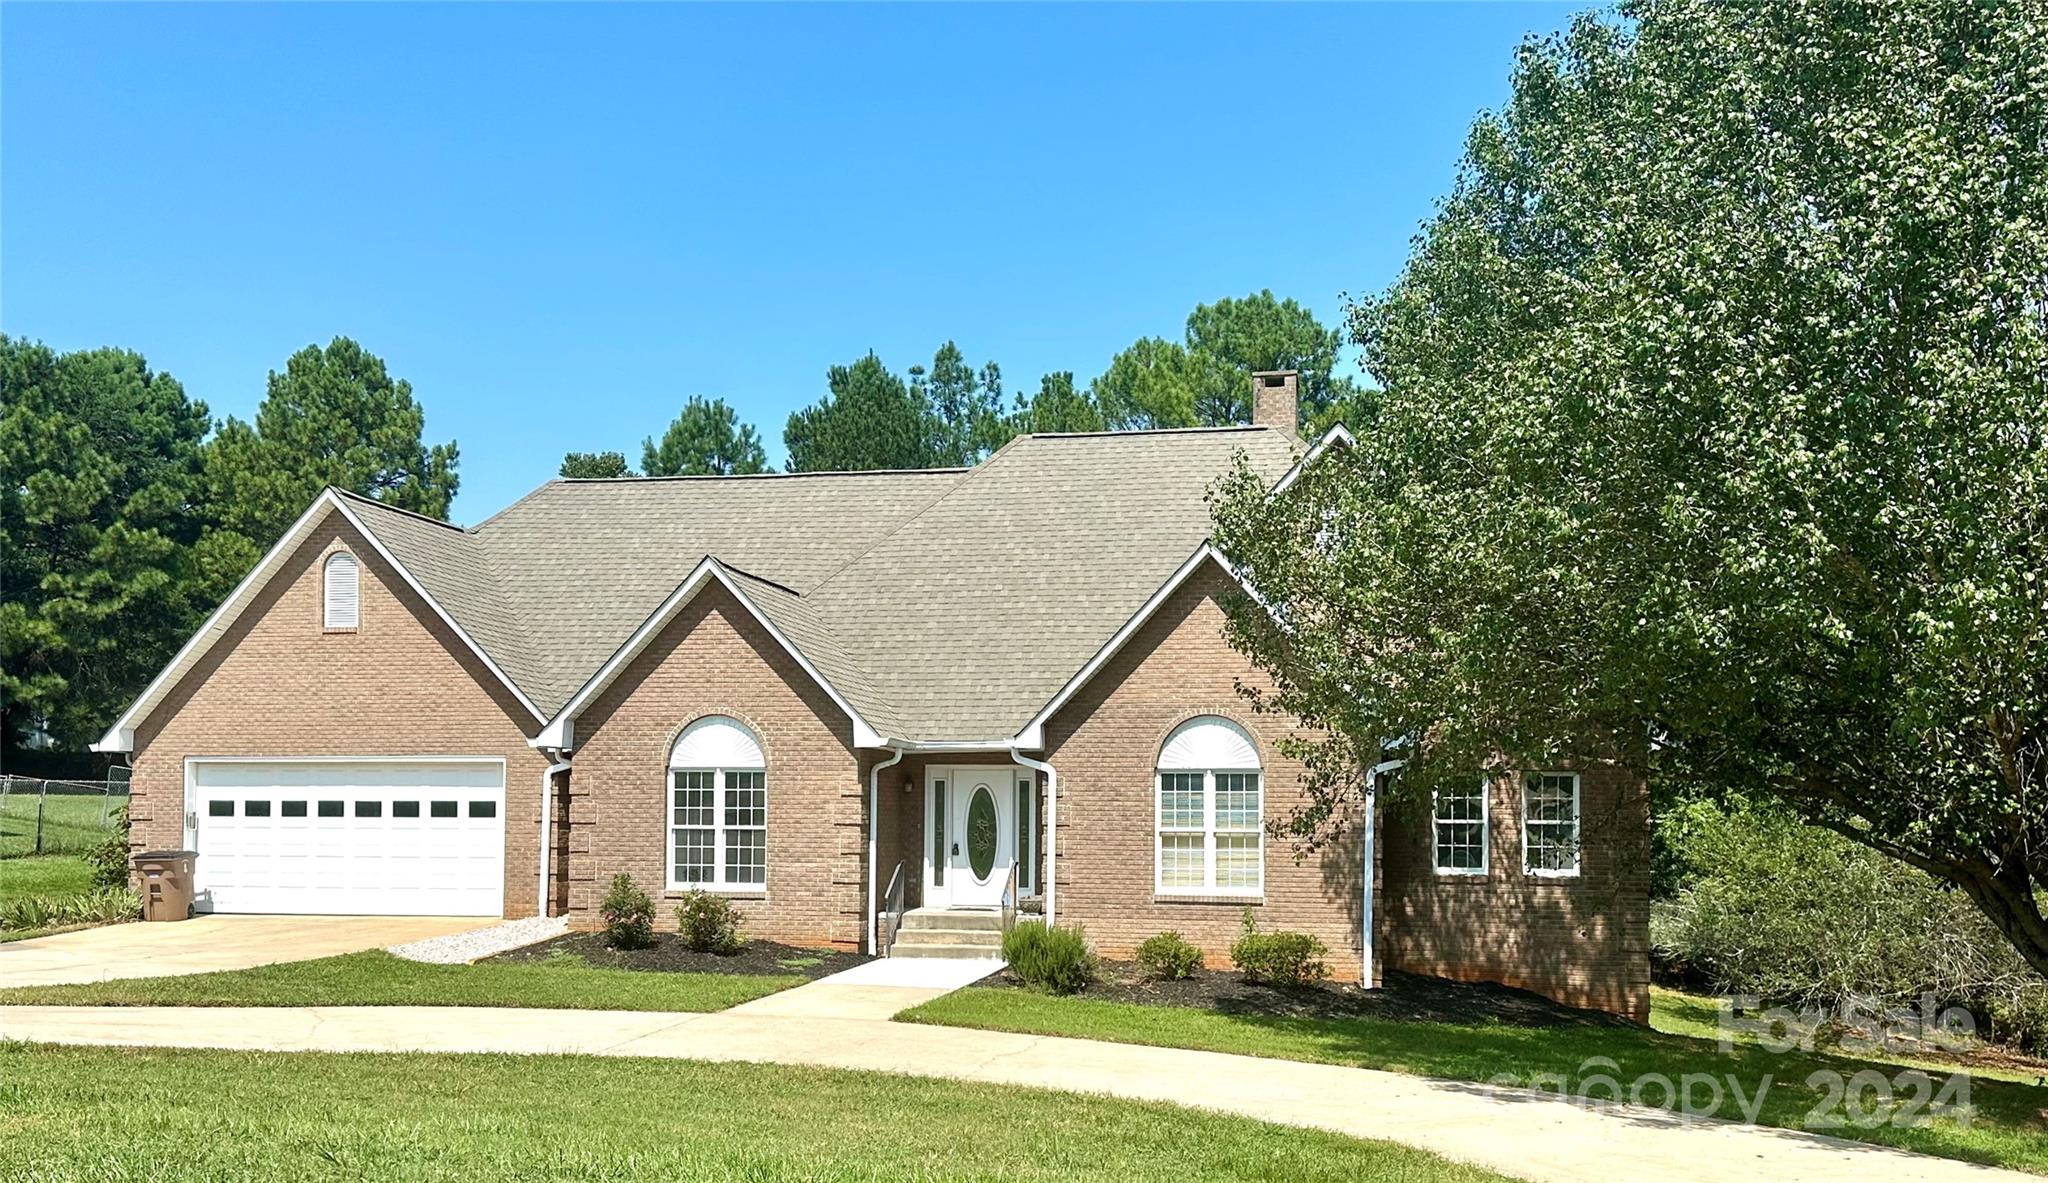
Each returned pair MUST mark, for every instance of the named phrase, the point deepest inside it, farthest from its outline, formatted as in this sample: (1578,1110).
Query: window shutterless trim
(1436,842)
(1529,780)
(1209,832)
(719,882)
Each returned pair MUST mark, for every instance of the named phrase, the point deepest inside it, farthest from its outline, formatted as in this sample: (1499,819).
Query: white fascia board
(120,737)
(1337,434)
(419,589)
(1032,735)
(560,730)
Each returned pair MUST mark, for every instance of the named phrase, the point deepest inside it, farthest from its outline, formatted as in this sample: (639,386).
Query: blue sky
(559,222)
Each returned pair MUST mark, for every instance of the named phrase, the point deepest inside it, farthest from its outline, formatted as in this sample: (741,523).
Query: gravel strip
(464,947)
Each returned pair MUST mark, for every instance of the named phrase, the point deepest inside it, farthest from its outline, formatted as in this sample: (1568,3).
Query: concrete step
(959,920)
(956,952)
(977,938)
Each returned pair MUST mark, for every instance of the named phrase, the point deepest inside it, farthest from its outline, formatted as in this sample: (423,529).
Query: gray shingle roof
(949,604)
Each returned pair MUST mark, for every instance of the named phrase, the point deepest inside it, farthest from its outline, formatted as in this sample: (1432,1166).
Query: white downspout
(874,823)
(1372,788)
(547,818)
(1052,825)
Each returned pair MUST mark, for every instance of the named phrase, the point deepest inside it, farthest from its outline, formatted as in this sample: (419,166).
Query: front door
(980,830)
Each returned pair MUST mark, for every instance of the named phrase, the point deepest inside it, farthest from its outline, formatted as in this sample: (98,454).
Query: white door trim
(1002,781)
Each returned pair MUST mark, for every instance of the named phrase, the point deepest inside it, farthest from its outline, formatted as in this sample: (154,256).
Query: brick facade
(714,658)
(1582,940)
(1105,743)
(401,684)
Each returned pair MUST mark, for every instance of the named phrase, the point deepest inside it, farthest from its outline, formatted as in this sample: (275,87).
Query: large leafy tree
(1714,439)
(707,439)
(870,419)
(101,459)
(594,465)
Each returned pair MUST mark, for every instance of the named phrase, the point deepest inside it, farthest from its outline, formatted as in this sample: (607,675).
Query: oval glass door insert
(981,832)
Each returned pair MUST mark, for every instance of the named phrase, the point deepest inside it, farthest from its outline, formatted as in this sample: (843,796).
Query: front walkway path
(206,943)
(1510,1131)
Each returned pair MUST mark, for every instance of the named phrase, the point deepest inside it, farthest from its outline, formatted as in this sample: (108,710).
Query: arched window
(340,598)
(1209,811)
(718,808)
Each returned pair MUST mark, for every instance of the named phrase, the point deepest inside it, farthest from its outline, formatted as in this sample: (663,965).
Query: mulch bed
(1402,997)
(667,955)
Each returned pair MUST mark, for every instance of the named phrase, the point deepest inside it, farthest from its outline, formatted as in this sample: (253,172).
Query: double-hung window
(1461,828)
(1550,824)
(1209,797)
(717,808)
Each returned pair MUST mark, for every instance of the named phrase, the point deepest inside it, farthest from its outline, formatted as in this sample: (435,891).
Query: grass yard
(49,874)
(45,874)
(107,1113)
(377,978)
(2008,1125)
(71,822)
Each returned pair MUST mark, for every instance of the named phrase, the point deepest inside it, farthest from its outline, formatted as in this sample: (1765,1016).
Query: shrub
(1797,915)
(1057,959)
(1168,957)
(109,856)
(709,924)
(1278,958)
(100,905)
(628,915)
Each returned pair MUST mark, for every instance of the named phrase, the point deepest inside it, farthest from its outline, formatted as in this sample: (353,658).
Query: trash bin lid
(168,854)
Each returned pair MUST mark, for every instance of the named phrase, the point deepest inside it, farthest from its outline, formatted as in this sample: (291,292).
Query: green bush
(100,905)
(1800,916)
(109,856)
(1278,958)
(709,924)
(628,915)
(1168,956)
(1057,959)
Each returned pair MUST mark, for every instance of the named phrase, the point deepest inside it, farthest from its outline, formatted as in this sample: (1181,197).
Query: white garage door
(349,837)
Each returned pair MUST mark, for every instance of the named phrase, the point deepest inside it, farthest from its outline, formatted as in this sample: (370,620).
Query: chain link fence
(39,816)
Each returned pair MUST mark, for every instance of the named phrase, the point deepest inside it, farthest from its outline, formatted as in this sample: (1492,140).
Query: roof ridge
(751,476)
(742,571)
(518,501)
(1218,429)
(399,509)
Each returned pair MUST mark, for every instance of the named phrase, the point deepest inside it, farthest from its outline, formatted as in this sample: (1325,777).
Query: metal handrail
(1010,897)
(891,918)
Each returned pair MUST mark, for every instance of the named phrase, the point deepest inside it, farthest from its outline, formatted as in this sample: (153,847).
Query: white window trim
(327,605)
(1578,829)
(1436,819)
(1208,831)
(718,884)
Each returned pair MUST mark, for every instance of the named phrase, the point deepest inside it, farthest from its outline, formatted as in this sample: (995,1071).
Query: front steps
(946,932)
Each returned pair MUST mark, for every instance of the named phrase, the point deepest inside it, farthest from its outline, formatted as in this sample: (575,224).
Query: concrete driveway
(207,943)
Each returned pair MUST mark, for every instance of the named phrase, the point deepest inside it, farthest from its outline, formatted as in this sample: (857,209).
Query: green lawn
(2008,1127)
(377,978)
(71,822)
(105,1113)
(46,874)
(50,874)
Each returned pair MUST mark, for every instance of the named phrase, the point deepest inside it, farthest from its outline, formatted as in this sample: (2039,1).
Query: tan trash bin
(166,883)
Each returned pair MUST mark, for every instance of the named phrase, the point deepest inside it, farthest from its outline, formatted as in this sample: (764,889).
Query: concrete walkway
(1517,1133)
(207,943)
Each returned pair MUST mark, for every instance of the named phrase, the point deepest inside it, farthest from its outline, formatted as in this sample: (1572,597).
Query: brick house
(839,698)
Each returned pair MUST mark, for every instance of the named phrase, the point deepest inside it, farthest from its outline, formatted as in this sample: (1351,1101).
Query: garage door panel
(390,837)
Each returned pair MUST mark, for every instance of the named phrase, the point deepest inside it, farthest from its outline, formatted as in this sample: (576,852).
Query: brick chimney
(1276,399)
